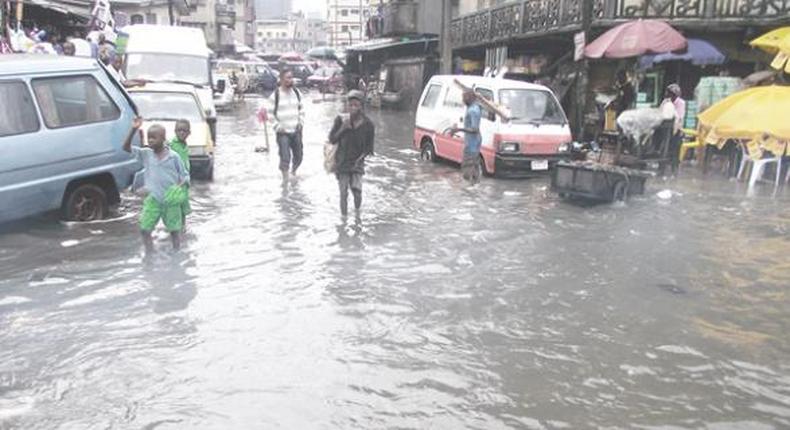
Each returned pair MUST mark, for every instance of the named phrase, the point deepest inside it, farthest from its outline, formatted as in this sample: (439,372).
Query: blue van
(62,125)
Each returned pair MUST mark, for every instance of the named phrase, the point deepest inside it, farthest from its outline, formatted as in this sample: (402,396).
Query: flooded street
(444,306)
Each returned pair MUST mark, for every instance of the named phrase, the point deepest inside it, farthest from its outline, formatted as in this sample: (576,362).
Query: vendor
(674,107)
(626,94)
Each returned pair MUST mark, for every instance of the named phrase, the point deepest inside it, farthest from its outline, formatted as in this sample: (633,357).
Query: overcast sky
(310,6)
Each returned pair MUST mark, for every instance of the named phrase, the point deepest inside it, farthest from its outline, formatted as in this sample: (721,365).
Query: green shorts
(153,211)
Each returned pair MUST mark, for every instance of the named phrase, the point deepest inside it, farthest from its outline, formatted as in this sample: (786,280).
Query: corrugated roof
(388,42)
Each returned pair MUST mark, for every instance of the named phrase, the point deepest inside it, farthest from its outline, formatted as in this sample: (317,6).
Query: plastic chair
(758,168)
(693,144)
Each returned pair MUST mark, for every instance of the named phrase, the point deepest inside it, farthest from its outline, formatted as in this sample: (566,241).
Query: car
(262,78)
(327,79)
(224,92)
(63,121)
(532,141)
(301,71)
(176,54)
(164,104)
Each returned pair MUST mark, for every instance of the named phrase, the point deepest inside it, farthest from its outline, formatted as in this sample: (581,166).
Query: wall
(348,29)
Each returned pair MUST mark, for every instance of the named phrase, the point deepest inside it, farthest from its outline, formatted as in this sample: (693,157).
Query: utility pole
(170,12)
(445,43)
(582,72)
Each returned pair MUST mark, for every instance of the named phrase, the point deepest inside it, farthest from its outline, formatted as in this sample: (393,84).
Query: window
(488,95)
(138,19)
(343,28)
(432,96)
(17,112)
(355,28)
(150,18)
(354,11)
(454,97)
(343,12)
(532,106)
(73,100)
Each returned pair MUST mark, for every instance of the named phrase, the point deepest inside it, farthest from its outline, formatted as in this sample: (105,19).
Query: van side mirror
(492,116)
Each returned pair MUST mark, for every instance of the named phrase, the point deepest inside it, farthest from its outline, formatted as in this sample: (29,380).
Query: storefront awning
(387,43)
(81,8)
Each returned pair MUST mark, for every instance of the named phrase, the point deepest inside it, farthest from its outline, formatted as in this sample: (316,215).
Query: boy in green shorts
(179,145)
(165,180)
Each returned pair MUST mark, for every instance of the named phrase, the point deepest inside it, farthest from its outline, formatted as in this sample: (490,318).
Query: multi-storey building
(216,18)
(244,31)
(280,35)
(347,21)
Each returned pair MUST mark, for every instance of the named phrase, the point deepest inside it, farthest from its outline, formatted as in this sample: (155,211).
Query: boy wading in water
(179,145)
(165,177)
(472,139)
(354,136)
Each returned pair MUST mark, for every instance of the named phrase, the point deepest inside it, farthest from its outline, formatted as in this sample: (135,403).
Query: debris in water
(69,243)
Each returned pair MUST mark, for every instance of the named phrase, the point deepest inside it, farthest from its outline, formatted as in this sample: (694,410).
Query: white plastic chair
(759,167)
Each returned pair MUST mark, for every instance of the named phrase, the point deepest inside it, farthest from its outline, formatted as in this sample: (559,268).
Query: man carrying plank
(472,139)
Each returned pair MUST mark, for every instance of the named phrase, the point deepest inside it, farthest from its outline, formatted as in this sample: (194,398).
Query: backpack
(277,99)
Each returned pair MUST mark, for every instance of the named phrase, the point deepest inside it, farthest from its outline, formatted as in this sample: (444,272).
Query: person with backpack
(288,120)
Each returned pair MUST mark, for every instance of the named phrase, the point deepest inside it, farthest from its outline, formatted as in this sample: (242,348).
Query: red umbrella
(636,38)
(291,56)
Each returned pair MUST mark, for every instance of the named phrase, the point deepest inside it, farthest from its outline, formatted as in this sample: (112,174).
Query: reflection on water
(442,306)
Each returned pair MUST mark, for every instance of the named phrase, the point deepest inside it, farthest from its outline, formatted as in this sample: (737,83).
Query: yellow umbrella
(776,42)
(757,115)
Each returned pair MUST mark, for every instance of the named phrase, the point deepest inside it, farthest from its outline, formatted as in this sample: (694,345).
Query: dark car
(262,77)
(301,70)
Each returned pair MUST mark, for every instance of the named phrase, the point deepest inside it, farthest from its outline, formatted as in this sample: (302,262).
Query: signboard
(578,42)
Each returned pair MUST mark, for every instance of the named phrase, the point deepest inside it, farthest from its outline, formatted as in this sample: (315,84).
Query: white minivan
(162,53)
(536,136)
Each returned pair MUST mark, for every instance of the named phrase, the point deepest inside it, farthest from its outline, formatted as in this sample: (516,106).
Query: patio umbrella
(749,115)
(776,42)
(699,53)
(636,38)
(291,56)
(322,52)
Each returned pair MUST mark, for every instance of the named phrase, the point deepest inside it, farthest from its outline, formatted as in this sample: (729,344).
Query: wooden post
(446,43)
(582,71)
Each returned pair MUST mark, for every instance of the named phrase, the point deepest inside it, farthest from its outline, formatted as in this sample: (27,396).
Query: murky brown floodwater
(444,307)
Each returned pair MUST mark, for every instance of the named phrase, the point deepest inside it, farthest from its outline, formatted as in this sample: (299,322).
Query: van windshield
(167,106)
(168,67)
(532,107)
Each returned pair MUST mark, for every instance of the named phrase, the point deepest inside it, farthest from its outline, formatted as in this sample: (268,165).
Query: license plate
(540,165)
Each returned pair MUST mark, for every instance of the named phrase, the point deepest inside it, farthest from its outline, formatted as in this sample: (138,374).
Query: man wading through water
(288,119)
(354,137)
(472,140)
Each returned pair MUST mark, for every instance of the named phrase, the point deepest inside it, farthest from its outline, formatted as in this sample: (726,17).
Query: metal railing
(533,17)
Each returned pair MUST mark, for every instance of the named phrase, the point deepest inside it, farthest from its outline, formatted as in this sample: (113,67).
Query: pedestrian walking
(288,119)
(470,166)
(353,135)
(672,97)
(165,177)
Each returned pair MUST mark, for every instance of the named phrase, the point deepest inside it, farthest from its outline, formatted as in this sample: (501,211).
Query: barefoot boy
(165,177)
(179,145)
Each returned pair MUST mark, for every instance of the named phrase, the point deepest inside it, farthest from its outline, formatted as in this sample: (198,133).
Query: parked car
(262,78)
(164,104)
(162,53)
(301,71)
(62,125)
(536,137)
(224,92)
(327,79)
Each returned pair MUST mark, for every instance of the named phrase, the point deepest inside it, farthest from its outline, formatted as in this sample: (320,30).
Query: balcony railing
(534,17)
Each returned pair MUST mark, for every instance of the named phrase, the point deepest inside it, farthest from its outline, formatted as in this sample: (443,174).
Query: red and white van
(537,135)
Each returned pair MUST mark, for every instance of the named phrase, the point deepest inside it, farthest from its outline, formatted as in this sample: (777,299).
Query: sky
(310,6)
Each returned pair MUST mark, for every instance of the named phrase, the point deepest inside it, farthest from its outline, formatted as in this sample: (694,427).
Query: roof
(166,39)
(20,64)
(389,42)
(473,81)
(77,7)
(160,87)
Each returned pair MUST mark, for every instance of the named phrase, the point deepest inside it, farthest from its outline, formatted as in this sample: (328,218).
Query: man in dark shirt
(354,137)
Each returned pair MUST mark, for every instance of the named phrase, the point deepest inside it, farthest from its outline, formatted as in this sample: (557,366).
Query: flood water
(444,306)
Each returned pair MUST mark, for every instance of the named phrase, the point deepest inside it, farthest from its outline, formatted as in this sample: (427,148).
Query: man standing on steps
(288,119)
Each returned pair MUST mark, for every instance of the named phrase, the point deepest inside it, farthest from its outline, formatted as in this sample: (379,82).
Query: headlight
(564,148)
(508,147)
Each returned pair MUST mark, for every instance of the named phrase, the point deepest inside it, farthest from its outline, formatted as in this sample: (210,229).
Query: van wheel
(87,202)
(427,152)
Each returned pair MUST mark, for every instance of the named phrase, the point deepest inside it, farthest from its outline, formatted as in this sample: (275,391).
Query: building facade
(217,19)
(281,35)
(347,21)
(244,28)
(155,12)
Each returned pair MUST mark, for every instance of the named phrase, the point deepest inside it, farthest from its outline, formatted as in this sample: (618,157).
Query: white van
(537,135)
(161,53)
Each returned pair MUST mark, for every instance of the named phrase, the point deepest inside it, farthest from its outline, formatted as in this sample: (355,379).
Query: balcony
(399,18)
(538,17)
(226,14)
